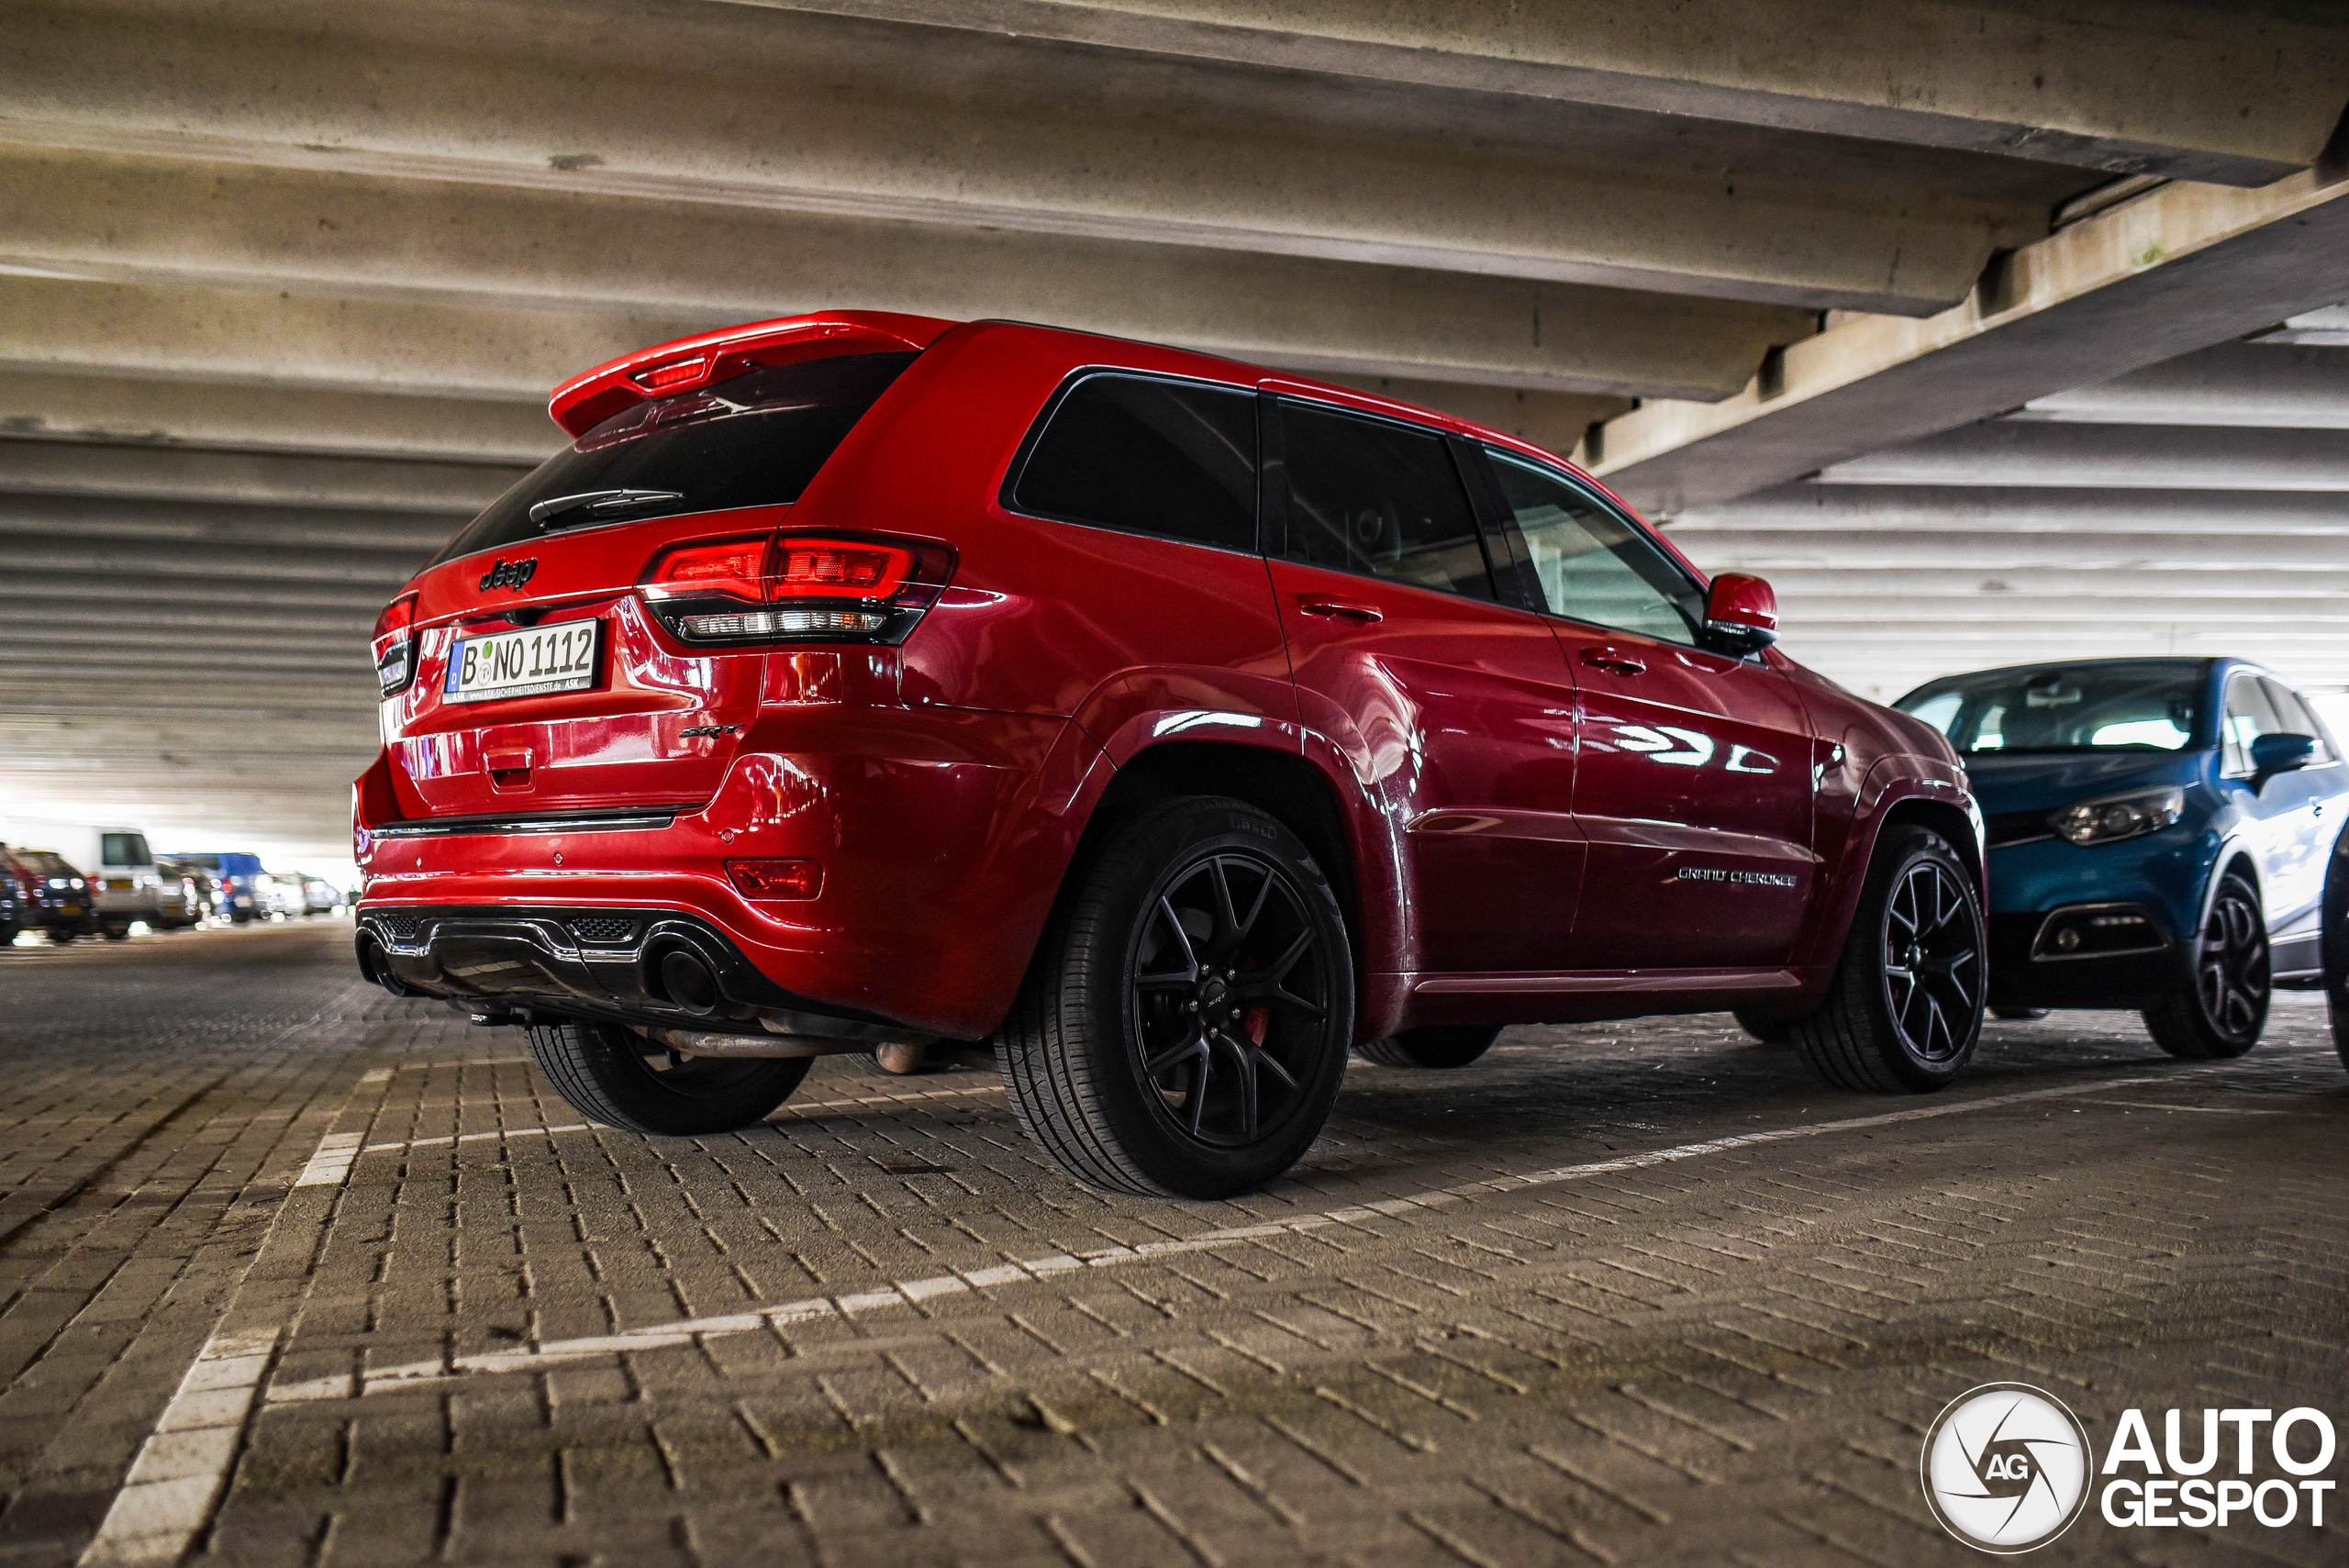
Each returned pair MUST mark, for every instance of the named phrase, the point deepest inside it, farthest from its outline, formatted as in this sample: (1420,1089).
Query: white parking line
(182,1468)
(908,1292)
(184,1465)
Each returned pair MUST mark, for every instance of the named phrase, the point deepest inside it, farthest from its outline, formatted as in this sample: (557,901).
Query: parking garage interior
(1989,333)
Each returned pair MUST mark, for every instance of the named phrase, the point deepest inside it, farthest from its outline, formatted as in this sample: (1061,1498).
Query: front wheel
(1905,1009)
(2221,1011)
(1436,1046)
(1184,1027)
(617,1077)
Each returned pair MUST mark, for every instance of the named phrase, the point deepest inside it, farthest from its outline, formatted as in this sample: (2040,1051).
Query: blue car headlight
(2116,816)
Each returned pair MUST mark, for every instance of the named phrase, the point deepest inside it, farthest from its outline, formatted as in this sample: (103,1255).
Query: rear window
(755,441)
(1173,459)
(124,849)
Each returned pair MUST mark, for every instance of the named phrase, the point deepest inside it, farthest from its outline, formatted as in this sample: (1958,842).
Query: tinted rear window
(124,849)
(755,441)
(1171,459)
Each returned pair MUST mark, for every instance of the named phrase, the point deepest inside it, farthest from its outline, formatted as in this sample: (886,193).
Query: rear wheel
(1436,1046)
(1905,1010)
(116,930)
(2020,1015)
(617,1077)
(1183,1031)
(2221,1011)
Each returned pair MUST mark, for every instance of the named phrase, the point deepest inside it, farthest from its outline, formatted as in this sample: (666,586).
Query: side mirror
(1740,614)
(2281,754)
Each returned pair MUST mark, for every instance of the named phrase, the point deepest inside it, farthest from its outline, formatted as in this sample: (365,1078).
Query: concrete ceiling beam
(87,402)
(2189,92)
(1310,318)
(151,473)
(2109,458)
(396,542)
(2259,385)
(1991,511)
(213,565)
(735,107)
(2173,271)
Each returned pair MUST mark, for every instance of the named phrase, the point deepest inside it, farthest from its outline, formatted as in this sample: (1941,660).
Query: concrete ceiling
(282,286)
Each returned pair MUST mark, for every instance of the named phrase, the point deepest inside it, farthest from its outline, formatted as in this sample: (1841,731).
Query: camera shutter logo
(2006,1467)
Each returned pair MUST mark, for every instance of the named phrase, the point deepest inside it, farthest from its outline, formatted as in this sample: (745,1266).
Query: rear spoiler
(585,401)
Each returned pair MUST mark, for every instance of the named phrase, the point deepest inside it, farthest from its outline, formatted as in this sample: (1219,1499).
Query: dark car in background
(2160,831)
(53,897)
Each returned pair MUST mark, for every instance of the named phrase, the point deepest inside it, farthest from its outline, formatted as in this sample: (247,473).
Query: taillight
(395,645)
(796,588)
(777,879)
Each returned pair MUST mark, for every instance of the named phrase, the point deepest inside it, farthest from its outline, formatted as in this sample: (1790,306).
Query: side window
(2248,717)
(1369,496)
(1148,457)
(2296,717)
(1591,563)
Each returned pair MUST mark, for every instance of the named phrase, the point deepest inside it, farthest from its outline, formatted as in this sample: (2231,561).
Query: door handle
(1614,662)
(1338,609)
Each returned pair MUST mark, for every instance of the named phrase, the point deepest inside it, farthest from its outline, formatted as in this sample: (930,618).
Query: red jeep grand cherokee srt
(856,679)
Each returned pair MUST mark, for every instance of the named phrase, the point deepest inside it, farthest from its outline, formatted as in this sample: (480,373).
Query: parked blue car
(2160,832)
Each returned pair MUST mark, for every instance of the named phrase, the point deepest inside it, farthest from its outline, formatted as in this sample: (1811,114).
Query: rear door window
(1589,562)
(754,440)
(124,849)
(1372,496)
(1175,460)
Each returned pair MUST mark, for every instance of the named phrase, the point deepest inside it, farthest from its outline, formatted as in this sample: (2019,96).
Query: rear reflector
(777,879)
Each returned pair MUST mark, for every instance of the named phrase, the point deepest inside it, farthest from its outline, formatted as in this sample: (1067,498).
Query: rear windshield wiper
(598,504)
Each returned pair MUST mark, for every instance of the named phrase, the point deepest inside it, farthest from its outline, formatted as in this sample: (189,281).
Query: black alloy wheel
(1904,1009)
(1184,1028)
(2221,1011)
(2335,944)
(619,1078)
(1229,998)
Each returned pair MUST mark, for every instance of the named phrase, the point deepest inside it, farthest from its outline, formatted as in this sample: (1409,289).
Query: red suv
(860,679)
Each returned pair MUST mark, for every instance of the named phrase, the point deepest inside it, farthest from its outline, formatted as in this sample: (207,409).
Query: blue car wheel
(2221,1011)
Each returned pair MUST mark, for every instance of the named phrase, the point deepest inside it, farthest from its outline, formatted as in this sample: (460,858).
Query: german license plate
(120,884)
(68,909)
(558,658)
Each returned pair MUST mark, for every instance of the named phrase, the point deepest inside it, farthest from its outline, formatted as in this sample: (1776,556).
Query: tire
(1904,1011)
(2333,944)
(1769,1031)
(1144,1055)
(1439,1046)
(2221,1011)
(58,936)
(2020,1015)
(616,1076)
(116,933)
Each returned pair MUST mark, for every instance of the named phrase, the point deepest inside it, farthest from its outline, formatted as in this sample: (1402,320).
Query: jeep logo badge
(504,574)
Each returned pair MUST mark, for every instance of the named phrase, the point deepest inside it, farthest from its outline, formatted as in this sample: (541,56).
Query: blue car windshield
(2121,706)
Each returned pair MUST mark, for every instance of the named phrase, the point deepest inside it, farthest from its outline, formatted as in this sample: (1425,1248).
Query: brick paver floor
(295,1273)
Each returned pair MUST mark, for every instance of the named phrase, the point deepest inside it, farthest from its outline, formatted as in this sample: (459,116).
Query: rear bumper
(942,847)
(594,959)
